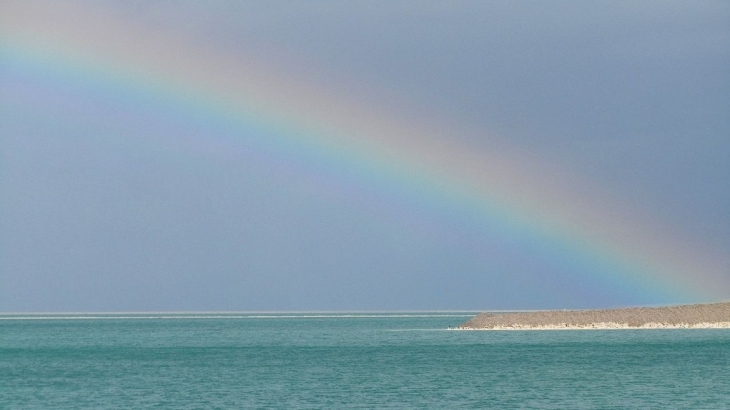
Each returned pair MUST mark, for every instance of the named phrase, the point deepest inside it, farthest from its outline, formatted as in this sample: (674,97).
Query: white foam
(608,325)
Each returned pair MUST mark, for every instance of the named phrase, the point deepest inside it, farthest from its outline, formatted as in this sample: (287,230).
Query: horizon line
(373,311)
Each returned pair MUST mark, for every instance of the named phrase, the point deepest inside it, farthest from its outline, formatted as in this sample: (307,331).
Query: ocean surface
(384,360)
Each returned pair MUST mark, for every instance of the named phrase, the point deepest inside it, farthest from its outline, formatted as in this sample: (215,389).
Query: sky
(363,155)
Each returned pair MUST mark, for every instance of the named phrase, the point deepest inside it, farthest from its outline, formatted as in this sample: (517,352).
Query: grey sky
(633,97)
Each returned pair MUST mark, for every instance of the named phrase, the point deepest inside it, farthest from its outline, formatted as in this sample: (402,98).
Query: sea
(349,361)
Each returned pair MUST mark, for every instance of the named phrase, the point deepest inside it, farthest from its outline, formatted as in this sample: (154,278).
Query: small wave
(440,329)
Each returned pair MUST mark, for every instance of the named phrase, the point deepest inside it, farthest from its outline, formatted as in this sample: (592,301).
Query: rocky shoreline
(699,316)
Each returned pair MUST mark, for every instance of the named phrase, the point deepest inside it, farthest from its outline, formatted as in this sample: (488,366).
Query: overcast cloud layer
(631,97)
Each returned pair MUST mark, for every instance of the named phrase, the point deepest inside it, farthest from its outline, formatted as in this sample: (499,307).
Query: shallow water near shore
(383,360)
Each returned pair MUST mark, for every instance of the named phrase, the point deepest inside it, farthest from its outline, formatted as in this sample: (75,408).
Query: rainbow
(305,124)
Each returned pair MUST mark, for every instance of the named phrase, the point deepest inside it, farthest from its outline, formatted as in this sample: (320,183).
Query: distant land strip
(699,316)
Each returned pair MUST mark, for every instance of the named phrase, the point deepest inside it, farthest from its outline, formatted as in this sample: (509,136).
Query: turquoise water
(313,361)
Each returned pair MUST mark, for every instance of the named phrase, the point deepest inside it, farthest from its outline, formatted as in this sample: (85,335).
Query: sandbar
(697,316)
